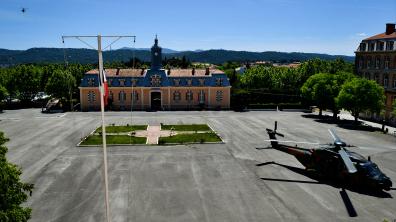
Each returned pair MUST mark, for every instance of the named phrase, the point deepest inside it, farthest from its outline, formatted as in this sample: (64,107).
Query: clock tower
(156,55)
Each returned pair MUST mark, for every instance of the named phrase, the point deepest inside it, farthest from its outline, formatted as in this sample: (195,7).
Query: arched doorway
(155,101)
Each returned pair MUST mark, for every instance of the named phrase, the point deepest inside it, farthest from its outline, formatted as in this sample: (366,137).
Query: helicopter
(335,161)
(23,10)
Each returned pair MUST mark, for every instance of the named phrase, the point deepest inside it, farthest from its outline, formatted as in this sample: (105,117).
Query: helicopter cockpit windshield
(371,169)
(357,157)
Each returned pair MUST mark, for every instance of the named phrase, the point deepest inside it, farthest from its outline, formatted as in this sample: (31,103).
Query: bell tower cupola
(156,55)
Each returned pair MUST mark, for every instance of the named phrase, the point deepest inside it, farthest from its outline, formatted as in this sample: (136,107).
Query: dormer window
(380,46)
(134,82)
(91,81)
(362,47)
(189,82)
(176,82)
(371,46)
(219,82)
(390,45)
(122,82)
(201,82)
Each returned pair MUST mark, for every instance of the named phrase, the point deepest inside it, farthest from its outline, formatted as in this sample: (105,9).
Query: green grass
(190,138)
(113,139)
(121,129)
(192,127)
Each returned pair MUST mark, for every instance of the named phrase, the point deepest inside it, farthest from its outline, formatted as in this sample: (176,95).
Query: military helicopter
(335,161)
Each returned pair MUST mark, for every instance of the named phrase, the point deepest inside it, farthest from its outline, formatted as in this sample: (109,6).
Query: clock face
(156,53)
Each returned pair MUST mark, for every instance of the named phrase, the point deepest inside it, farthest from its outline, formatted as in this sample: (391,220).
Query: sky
(321,26)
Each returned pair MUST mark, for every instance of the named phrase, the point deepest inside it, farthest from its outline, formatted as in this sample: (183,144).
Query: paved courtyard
(201,182)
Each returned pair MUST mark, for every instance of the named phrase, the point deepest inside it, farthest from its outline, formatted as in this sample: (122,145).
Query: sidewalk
(346,115)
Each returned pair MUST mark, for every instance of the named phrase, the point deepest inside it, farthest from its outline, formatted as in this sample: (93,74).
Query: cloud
(361,34)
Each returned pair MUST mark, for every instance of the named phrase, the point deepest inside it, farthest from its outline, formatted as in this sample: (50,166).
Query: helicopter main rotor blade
(337,140)
(290,141)
(347,161)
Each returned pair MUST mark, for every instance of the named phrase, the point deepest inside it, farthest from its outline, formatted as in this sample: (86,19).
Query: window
(390,45)
(122,96)
(135,96)
(371,46)
(360,63)
(380,46)
(219,96)
(91,81)
(386,64)
(369,62)
(176,96)
(189,95)
(394,84)
(385,81)
(201,96)
(219,82)
(362,47)
(91,97)
(376,78)
(111,95)
(377,63)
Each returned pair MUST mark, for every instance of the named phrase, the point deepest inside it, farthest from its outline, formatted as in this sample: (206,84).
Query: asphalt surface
(203,182)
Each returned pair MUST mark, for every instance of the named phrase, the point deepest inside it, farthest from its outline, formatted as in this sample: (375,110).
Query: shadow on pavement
(346,124)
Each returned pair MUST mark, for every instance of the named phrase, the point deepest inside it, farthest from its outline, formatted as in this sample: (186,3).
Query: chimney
(193,71)
(390,28)
(118,71)
(142,72)
(207,71)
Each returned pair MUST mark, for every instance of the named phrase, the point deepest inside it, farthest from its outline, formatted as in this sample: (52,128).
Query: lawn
(121,129)
(113,139)
(190,138)
(192,127)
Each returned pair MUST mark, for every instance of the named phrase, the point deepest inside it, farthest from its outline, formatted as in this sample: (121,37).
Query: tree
(13,192)
(60,84)
(322,89)
(361,94)
(3,93)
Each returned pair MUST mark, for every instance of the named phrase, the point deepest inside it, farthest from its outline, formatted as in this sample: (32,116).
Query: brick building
(376,60)
(157,88)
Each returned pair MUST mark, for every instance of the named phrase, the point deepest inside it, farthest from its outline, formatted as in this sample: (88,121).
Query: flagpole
(103,127)
(102,101)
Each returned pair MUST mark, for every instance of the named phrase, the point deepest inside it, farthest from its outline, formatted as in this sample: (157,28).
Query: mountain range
(214,56)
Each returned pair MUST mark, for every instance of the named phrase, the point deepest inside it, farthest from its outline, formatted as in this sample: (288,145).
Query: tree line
(325,84)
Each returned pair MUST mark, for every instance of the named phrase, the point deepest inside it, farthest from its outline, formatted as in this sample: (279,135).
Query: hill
(215,56)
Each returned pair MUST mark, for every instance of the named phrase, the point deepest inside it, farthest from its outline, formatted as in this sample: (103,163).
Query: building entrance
(155,101)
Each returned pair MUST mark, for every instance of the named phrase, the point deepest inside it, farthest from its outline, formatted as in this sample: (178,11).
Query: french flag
(105,88)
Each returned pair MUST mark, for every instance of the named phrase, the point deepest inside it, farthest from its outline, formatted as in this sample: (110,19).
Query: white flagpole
(103,128)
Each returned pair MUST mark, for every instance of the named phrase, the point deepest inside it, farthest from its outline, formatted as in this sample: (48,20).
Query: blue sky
(331,26)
